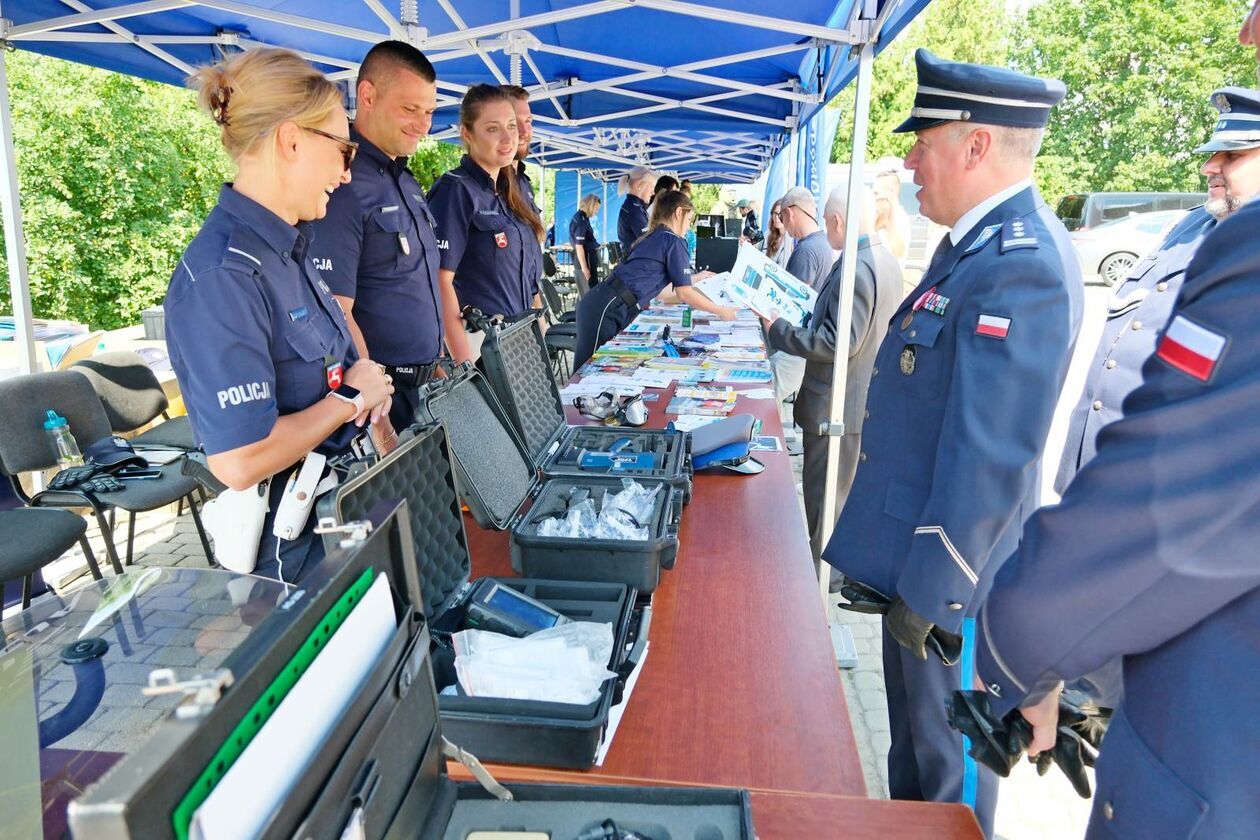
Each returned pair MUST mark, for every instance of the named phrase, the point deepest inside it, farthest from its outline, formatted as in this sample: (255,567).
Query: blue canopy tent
(709,89)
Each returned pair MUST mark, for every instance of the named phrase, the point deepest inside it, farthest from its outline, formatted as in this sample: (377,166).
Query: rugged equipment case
(381,773)
(519,372)
(497,476)
(420,472)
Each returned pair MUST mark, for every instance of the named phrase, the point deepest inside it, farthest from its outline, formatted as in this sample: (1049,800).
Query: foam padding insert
(420,472)
(516,360)
(486,450)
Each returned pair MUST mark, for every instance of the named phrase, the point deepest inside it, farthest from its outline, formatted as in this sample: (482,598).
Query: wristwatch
(350,395)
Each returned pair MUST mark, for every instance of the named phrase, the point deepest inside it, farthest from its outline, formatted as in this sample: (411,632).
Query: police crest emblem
(907,360)
(500,239)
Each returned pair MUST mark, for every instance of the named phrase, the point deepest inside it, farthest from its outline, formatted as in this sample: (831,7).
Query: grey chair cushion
(176,433)
(127,387)
(24,445)
(30,539)
(135,495)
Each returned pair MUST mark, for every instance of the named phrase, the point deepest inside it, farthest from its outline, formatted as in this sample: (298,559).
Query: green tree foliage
(1139,75)
(433,158)
(116,176)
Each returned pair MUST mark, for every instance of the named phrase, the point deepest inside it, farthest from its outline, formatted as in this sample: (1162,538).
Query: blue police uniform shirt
(1138,310)
(251,327)
(632,221)
(658,261)
(376,245)
(960,402)
(527,188)
(493,252)
(582,235)
(1167,580)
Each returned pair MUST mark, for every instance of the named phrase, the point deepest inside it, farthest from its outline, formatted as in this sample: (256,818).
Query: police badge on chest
(907,360)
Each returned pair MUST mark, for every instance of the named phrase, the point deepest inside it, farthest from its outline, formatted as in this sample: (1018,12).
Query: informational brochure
(760,284)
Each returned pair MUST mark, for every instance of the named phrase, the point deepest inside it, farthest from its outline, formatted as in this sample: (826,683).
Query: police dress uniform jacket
(1166,577)
(494,253)
(1137,312)
(961,398)
(876,293)
(376,244)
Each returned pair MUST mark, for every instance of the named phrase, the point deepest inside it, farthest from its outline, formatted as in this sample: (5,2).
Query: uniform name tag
(500,239)
(297,314)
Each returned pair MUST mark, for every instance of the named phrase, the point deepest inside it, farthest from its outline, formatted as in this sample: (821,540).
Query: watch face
(347,392)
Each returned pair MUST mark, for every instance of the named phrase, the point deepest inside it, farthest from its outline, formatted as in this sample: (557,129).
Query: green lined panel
(248,726)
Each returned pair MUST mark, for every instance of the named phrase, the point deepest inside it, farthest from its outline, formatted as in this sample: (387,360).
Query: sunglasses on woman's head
(349,148)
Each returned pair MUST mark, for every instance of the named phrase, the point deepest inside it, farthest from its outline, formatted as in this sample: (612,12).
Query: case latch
(205,691)
(479,771)
(352,533)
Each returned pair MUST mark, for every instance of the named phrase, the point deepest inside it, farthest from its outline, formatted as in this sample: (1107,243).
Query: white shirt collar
(973,216)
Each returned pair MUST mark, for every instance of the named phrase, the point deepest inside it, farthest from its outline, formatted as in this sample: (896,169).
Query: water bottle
(68,454)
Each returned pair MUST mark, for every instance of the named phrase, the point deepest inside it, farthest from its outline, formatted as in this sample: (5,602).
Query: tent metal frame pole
(14,242)
(844,312)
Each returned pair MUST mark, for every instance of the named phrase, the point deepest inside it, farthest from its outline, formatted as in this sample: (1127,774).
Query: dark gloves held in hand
(998,744)
(910,629)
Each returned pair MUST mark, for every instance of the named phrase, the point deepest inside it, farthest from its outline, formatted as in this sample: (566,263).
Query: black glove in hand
(998,744)
(909,628)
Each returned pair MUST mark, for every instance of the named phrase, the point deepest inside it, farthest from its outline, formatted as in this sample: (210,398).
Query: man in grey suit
(876,293)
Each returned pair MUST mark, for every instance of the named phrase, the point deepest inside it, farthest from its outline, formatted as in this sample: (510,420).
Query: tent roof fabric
(710,89)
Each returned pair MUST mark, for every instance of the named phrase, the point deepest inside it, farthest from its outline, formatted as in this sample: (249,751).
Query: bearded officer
(1140,307)
(960,402)
(1150,559)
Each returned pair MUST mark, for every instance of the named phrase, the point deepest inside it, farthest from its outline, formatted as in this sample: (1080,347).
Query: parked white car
(1110,250)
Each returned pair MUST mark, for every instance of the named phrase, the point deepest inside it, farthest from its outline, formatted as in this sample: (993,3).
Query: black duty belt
(628,297)
(411,376)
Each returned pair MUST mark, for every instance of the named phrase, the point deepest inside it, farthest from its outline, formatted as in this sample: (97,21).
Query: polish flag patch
(1191,349)
(993,326)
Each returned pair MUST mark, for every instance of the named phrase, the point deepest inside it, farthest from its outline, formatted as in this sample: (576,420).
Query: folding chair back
(127,387)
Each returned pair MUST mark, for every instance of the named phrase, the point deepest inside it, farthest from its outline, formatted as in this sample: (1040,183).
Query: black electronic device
(717,254)
(138,473)
(501,609)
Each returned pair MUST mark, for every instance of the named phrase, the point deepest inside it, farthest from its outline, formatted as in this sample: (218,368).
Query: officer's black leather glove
(998,744)
(909,628)
(993,743)
(862,598)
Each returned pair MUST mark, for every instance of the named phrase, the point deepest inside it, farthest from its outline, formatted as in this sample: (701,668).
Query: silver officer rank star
(907,360)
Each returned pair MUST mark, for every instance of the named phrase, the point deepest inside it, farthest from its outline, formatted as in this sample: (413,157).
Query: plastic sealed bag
(562,664)
(622,516)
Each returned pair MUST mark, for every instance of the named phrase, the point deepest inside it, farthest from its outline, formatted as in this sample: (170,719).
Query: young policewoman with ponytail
(261,349)
(487,230)
(657,260)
